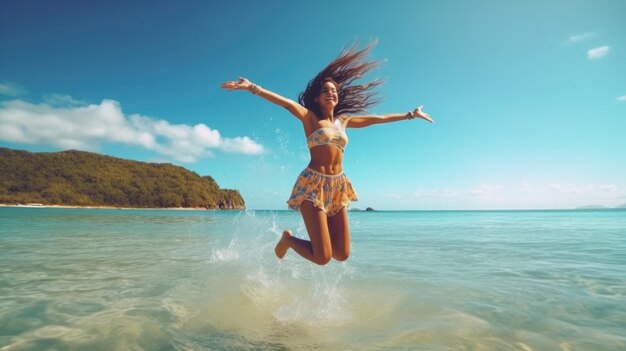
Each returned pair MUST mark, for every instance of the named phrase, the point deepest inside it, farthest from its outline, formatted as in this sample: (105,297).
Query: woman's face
(328,98)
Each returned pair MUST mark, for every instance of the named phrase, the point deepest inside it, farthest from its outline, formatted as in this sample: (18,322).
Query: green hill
(80,178)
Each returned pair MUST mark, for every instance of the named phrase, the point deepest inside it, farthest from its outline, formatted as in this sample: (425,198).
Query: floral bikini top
(325,136)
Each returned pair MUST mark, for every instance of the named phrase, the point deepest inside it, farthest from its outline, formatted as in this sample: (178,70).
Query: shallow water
(86,279)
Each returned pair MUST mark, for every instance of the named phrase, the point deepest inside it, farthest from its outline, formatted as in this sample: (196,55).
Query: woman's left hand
(241,84)
(418,113)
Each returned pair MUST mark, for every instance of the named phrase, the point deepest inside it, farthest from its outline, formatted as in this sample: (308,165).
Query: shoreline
(115,207)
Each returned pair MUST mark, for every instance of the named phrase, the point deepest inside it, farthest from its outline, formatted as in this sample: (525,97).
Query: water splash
(264,299)
(226,254)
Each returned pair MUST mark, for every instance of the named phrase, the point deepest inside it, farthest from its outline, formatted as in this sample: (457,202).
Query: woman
(322,192)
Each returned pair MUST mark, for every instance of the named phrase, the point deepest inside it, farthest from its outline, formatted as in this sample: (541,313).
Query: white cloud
(621,98)
(11,89)
(580,37)
(242,145)
(74,125)
(598,52)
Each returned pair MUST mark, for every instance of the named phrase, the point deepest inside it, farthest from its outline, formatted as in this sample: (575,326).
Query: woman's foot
(283,244)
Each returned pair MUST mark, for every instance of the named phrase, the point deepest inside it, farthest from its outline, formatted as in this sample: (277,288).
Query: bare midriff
(326,159)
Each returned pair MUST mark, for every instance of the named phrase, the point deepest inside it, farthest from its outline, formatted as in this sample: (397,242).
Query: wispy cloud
(62,100)
(524,195)
(527,188)
(621,98)
(436,193)
(580,37)
(486,190)
(589,192)
(584,189)
(65,123)
(11,89)
(393,196)
(598,52)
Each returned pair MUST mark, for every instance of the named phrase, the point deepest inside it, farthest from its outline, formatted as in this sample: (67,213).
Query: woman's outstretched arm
(243,84)
(366,121)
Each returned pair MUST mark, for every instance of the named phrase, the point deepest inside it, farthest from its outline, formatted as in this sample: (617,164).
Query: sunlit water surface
(85,279)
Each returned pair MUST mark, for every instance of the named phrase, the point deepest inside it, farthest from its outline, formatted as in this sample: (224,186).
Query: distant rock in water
(369,209)
(78,178)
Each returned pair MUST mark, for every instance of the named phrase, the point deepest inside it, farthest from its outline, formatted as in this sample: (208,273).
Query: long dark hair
(349,66)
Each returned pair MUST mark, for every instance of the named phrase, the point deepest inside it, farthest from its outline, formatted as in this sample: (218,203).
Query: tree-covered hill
(87,179)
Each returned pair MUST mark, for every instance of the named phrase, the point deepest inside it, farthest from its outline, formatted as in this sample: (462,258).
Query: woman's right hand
(241,84)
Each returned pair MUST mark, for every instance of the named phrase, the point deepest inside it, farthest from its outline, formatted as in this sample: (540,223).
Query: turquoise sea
(92,279)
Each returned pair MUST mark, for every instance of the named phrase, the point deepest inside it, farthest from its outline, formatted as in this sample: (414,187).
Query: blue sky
(529,97)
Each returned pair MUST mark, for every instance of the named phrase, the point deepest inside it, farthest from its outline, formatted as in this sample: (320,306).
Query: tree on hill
(89,179)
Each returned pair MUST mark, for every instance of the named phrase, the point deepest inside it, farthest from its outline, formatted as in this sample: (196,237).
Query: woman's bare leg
(339,229)
(318,249)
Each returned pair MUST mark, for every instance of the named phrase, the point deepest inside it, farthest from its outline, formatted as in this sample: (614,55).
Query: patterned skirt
(330,193)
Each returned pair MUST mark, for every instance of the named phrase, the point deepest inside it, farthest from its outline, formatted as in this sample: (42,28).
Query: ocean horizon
(120,279)
(353,209)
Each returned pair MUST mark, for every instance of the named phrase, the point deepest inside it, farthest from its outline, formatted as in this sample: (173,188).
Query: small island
(78,178)
(369,209)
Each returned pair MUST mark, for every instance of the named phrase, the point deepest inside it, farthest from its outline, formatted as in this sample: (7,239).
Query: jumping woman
(322,192)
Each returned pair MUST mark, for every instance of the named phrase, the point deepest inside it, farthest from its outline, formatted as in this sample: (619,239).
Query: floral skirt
(330,193)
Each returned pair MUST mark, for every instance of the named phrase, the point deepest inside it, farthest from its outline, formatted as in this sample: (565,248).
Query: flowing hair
(349,66)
